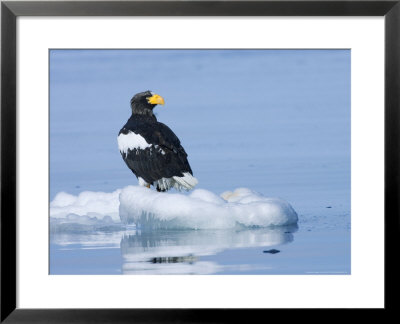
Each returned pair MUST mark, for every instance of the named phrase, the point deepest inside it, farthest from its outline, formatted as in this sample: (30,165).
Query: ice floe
(202,209)
(87,212)
(149,209)
(87,203)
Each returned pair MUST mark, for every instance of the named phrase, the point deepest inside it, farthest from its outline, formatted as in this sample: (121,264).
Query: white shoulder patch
(131,141)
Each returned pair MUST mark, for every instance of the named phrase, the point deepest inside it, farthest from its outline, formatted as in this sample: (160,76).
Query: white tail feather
(187,181)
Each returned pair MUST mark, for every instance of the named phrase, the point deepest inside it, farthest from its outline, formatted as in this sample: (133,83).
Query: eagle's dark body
(152,151)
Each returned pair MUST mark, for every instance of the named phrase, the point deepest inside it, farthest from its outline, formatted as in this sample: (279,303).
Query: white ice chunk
(203,209)
(87,203)
(147,208)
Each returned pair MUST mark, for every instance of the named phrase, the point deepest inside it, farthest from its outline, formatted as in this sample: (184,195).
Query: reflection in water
(133,251)
(180,252)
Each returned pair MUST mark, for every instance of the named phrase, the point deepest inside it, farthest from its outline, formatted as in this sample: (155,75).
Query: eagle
(151,150)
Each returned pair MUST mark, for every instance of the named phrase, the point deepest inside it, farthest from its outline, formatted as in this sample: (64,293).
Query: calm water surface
(311,250)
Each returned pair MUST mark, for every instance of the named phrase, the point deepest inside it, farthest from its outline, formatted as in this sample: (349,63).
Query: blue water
(274,121)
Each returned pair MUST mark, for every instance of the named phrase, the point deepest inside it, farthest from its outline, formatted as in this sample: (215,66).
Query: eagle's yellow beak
(155,100)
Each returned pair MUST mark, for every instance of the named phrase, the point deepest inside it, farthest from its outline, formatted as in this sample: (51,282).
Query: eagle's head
(143,103)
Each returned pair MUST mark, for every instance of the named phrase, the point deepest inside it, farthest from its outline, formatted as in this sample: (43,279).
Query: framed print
(189,160)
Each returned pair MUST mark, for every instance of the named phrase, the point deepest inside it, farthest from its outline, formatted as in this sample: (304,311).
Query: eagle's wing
(169,142)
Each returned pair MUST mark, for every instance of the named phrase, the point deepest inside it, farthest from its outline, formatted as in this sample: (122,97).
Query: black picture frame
(10,10)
